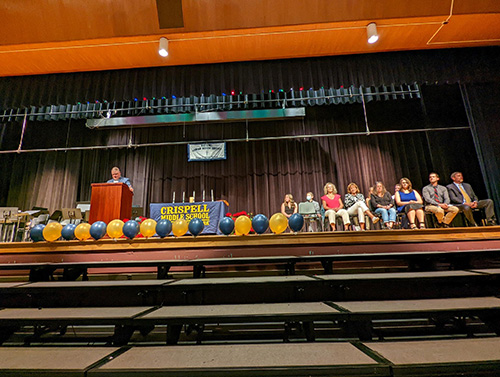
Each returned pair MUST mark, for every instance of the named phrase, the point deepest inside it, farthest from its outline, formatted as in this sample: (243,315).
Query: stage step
(355,319)
(464,357)
(241,290)
(413,260)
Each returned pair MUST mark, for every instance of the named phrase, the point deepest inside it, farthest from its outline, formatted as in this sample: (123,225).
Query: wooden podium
(110,201)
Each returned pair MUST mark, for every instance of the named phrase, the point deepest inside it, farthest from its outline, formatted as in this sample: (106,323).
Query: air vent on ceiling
(170,14)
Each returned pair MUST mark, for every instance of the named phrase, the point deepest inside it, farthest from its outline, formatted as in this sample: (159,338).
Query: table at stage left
(210,212)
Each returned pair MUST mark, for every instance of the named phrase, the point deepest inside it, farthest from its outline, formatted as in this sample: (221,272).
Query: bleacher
(422,320)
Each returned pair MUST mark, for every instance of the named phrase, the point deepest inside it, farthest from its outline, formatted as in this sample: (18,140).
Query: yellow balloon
(180,227)
(82,231)
(148,228)
(242,225)
(52,231)
(278,223)
(115,229)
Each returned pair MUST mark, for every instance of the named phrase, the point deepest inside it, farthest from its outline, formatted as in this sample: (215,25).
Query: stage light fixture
(371,31)
(163,47)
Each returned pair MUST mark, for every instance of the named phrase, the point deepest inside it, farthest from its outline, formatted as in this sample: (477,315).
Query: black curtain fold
(483,102)
(466,65)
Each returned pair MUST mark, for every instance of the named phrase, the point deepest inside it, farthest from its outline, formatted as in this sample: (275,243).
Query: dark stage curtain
(430,66)
(257,174)
(483,102)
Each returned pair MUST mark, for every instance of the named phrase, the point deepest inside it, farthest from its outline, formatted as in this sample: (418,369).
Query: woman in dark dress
(288,207)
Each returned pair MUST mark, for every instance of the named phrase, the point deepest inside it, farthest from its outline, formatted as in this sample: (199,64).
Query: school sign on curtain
(207,151)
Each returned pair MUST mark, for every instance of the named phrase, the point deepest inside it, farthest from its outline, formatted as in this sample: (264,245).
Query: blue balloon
(196,226)
(163,228)
(68,232)
(36,233)
(131,229)
(226,225)
(260,223)
(98,230)
(296,222)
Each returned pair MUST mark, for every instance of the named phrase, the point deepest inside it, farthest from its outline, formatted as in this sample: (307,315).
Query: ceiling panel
(51,36)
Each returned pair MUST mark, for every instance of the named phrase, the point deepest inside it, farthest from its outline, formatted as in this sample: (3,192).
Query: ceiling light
(163,47)
(371,31)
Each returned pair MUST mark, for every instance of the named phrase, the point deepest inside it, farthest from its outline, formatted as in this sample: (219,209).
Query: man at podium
(117,178)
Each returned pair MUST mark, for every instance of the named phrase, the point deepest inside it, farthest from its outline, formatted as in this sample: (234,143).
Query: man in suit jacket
(462,195)
(117,178)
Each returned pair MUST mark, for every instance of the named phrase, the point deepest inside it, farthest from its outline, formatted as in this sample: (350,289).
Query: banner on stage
(207,151)
(209,212)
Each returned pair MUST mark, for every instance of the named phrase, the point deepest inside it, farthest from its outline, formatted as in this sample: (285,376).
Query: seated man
(117,178)
(437,201)
(312,223)
(462,195)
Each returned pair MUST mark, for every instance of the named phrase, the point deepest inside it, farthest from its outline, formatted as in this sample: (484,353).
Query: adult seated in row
(410,202)
(437,201)
(288,207)
(383,203)
(332,203)
(462,195)
(355,204)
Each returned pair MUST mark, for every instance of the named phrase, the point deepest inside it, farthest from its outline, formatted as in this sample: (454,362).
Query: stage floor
(288,244)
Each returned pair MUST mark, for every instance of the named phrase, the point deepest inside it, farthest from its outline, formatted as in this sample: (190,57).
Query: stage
(266,245)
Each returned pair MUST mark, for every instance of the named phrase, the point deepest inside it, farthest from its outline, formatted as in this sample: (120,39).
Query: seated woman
(333,206)
(383,203)
(410,202)
(355,204)
(288,207)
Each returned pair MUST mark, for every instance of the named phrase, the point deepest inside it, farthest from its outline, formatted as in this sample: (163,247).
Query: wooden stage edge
(216,246)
